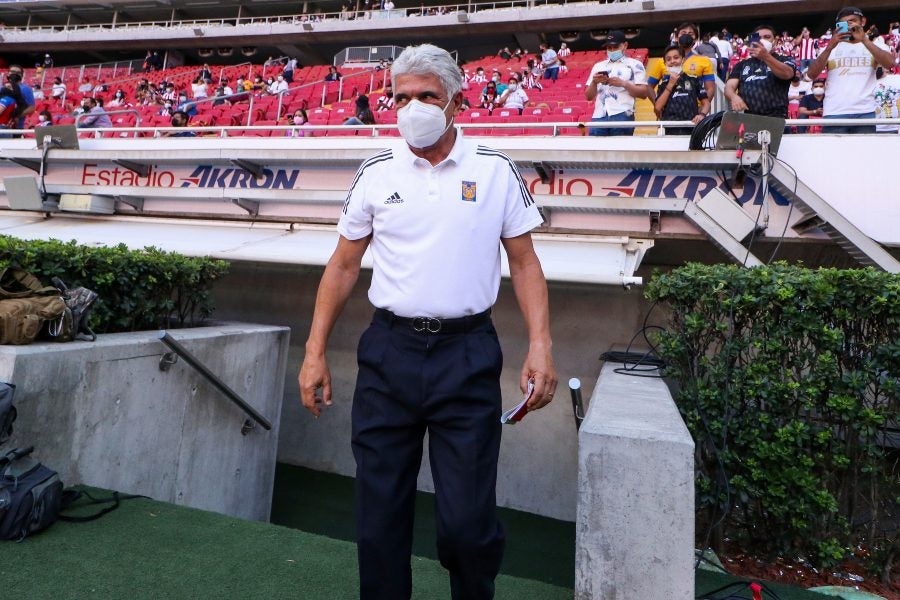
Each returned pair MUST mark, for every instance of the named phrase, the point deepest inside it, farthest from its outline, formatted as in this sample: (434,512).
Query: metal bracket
(247,427)
(251,206)
(247,165)
(132,201)
(541,170)
(655,217)
(141,169)
(167,360)
(34,165)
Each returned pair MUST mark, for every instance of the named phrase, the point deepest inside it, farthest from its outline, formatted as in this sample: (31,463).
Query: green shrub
(139,289)
(788,378)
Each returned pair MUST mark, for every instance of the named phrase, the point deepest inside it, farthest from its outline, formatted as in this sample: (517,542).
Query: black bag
(7,411)
(30,495)
(73,324)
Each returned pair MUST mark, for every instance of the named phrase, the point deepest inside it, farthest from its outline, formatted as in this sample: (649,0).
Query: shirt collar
(456,153)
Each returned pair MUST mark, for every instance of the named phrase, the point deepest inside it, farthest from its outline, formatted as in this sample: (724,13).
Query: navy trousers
(446,383)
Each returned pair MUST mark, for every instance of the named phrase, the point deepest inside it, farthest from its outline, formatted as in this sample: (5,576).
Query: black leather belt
(432,324)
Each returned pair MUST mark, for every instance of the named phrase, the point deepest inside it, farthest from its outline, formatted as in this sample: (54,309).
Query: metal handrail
(192,360)
(137,124)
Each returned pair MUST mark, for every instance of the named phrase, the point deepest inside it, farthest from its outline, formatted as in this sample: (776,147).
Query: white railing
(443,9)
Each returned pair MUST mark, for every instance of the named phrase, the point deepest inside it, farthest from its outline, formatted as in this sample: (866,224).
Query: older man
(435,212)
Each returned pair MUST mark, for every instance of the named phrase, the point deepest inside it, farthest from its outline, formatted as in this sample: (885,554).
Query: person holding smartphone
(851,60)
(759,84)
(613,85)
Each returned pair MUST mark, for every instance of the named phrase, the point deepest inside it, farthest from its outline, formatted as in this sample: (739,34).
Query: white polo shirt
(437,230)
(613,100)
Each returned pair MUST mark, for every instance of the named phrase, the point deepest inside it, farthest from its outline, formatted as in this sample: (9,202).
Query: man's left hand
(539,366)
(616,82)
(759,51)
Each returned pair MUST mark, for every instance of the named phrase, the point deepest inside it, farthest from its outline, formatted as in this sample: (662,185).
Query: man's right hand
(314,375)
(601,78)
(738,104)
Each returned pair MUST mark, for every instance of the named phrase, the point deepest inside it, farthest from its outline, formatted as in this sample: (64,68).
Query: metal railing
(98,130)
(295,19)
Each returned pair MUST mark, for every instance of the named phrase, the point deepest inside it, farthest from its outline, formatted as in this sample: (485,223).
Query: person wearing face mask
(26,94)
(759,85)
(811,105)
(694,64)
(679,96)
(613,85)
(434,211)
(514,97)
(118,100)
(44,119)
(851,59)
(94,115)
(386,101)
(179,119)
(300,122)
(479,76)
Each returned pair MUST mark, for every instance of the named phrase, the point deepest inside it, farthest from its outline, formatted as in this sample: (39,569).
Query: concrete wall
(104,414)
(635,526)
(538,461)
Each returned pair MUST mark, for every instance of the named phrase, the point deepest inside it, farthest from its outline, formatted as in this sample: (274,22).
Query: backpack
(25,305)
(73,323)
(30,495)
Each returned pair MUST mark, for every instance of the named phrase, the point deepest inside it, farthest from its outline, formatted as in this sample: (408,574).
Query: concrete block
(635,518)
(104,414)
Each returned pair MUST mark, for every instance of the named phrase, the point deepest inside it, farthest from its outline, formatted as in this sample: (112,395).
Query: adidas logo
(394,199)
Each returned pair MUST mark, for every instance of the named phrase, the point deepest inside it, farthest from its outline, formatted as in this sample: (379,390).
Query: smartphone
(753,39)
(841,27)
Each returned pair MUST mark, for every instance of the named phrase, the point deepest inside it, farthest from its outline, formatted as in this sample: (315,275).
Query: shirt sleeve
(640,73)
(655,73)
(521,214)
(356,216)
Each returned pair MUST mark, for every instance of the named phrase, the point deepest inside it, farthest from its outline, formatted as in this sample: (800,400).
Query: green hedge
(787,378)
(139,289)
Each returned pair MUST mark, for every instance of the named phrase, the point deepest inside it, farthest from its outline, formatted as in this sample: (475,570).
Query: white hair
(427,59)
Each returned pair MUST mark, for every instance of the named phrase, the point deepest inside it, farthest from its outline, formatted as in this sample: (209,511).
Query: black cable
(646,362)
(790,209)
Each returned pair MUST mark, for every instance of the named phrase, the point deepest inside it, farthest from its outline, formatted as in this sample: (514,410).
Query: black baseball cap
(614,38)
(847,11)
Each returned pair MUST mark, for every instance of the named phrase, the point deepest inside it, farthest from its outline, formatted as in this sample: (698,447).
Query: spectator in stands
(58,91)
(479,76)
(489,96)
(205,74)
(725,54)
(700,46)
(200,89)
(300,121)
(226,89)
(179,119)
(799,88)
(759,85)
(259,85)
(44,119)
(363,114)
(185,106)
(94,115)
(166,110)
(119,100)
(169,95)
(504,53)
(382,65)
(48,62)
(679,96)
(807,47)
(519,54)
(23,94)
(386,101)
(784,45)
(614,84)
(851,59)
(86,86)
(812,104)
(887,98)
(220,96)
(514,97)
(279,86)
(156,61)
(533,73)
(695,65)
(288,71)
(9,106)
(549,62)
(333,74)
(564,50)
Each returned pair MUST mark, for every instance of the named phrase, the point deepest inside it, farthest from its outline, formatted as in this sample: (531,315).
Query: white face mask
(674,70)
(422,125)
(512,87)
(766,44)
(818,91)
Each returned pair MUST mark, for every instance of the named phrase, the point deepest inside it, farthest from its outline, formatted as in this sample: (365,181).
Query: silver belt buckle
(428,324)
